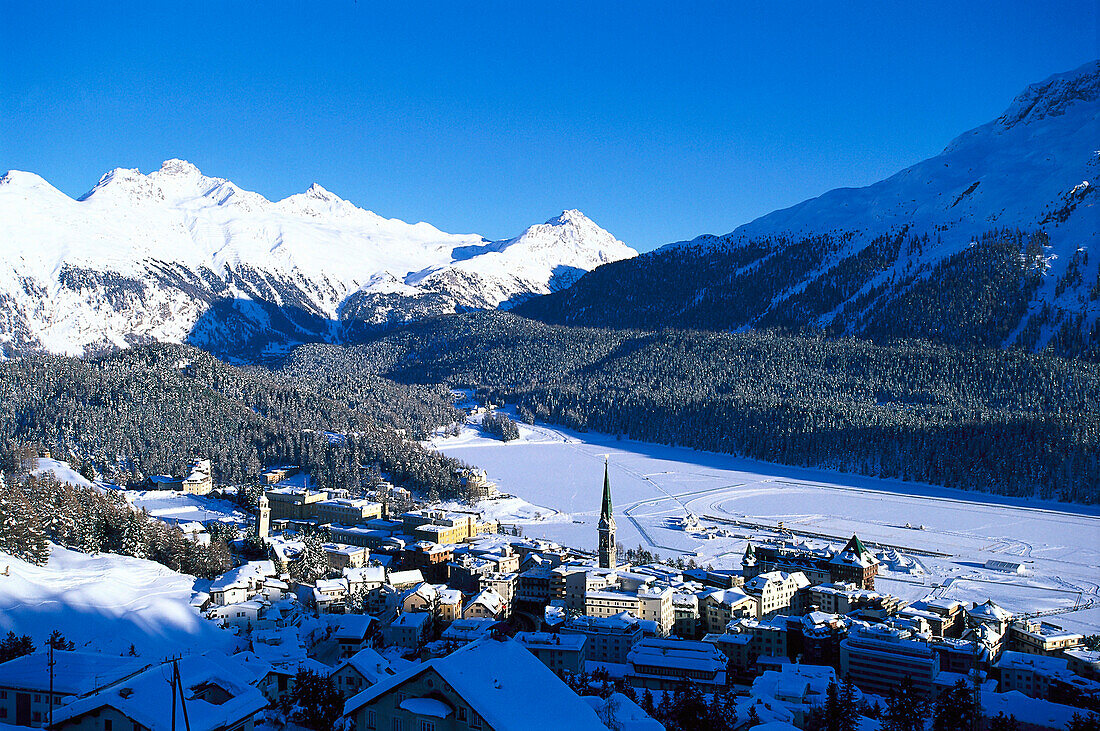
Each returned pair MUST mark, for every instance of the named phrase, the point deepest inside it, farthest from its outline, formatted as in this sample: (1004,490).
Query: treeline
(1004,422)
(149,409)
(884,290)
(35,510)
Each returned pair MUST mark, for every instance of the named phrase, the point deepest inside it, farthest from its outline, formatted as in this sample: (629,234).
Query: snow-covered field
(171,505)
(105,603)
(942,537)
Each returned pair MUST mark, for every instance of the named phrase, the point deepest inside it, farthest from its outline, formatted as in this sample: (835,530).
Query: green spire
(605,506)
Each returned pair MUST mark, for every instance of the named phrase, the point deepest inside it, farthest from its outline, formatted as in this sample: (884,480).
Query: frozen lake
(654,487)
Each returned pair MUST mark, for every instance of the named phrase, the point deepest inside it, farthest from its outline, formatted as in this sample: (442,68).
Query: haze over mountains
(929,252)
(178,256)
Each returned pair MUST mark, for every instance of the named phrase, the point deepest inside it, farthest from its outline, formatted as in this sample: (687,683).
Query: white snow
(106,602)
(654,487)
(176,232)
(173,505)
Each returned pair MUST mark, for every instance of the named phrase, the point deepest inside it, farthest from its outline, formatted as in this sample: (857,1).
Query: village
(430,618)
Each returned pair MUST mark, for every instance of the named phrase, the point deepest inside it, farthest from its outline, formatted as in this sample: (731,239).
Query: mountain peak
(316,191)
(175,166)
(1053,95)
(570,216)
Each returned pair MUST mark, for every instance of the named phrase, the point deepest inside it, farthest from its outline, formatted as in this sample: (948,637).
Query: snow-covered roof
(243,575)
(75,673)
(147,699)
(372,666)
(490,599)
(1027,710)
(505,684)
(991,611)
(623,712)
(678,654)
(365,575)
(555,640)
(399,578)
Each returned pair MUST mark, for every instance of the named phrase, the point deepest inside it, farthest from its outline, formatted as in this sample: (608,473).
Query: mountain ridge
(160,256)
(840,261)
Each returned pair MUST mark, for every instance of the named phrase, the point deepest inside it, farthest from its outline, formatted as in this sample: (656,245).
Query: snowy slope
(175,255)
(897,259)
(1034,168)
(106,603)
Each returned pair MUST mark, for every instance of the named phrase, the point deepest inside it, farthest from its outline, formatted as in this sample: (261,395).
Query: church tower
(263,525)
(607,525)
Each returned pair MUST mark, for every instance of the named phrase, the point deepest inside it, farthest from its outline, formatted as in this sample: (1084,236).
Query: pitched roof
(147,698)
(505,684)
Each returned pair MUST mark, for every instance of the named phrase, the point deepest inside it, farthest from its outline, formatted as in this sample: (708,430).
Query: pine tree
(904,708)
(849,709)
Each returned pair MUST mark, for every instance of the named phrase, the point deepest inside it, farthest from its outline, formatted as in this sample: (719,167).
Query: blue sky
(661,121)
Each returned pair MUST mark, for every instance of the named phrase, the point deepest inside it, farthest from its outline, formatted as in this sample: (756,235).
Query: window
(461,713)
(427,726)
(106,724)
(372,721)
(396,724)
(475,720)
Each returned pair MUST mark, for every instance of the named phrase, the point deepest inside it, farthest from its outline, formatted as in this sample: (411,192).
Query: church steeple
(607,524)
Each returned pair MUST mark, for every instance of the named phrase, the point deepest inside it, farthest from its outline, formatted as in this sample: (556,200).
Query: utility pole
(51,663)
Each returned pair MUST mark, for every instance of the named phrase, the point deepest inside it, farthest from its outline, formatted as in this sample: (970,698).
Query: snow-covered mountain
(175,255)
(876,260)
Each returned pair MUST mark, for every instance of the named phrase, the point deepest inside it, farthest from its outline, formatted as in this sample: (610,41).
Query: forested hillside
(1011,423)
(149,409)
(886,290)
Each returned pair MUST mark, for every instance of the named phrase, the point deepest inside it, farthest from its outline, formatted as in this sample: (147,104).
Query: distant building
(661,664)
(294,503)
(274,475)
(877,659)
(852,564)
(198,480)
(609,639)
(561,653)
(1041,638)
(345,511)
(608,549)
(362,670)
(409,631)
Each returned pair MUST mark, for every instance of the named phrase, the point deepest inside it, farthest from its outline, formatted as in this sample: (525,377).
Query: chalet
(490,684)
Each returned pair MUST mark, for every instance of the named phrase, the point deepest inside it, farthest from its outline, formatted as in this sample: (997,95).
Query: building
(852,564)
(571,584)
(561,653)
(1041,638)
(294,503)
(877,659)
(609,639)
(362,670)
(486,603)
(533,585)
(464,631)
(241,583)
(475,485)
(445,526)
(25,682)
(1011,567)
(490,684)
(661,664)
(275,475)
(608,549)
(408,630)
(219,691)
(777,592)
(1045,677)
(346,511)
(719,607)
(344,556)
(796,688)
(263,521)
(198,480)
